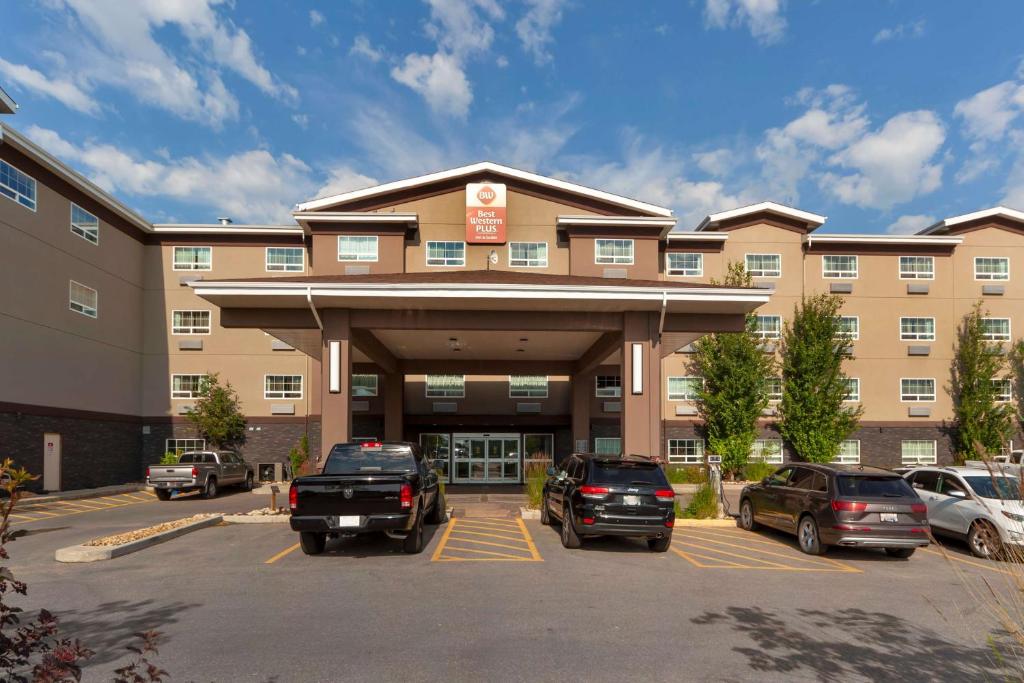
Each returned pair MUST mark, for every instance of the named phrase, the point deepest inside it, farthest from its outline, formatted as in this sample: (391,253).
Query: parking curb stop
(93,553)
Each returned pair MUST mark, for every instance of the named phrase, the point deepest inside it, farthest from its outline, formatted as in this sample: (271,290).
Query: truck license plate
(631,500)
(889,516)
(348,520)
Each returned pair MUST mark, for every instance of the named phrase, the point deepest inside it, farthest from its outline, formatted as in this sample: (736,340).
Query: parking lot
(498,598)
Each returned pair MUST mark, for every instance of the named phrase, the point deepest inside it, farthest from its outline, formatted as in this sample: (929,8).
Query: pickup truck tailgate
(325,494)
(170,473)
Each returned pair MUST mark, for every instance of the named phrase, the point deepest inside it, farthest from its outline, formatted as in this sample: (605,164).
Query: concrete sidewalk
(83,493)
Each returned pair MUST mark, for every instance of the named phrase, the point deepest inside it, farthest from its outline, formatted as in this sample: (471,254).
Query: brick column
(394,406)
(641,404)
(582,386)
(336,365)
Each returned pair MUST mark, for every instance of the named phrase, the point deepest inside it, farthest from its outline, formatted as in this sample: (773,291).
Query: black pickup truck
(368,487)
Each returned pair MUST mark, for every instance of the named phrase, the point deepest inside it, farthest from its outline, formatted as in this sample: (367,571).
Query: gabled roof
(475,169)
(7,105)
(948,224)
(902,240)
(812,220)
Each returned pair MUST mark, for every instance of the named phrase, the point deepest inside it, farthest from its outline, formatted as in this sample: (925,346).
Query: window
(917,329)
(446,386)
(991,268)
(186,386)
(17,186)
(285,259)
(613,251)
(917,267)
(852,389)
(768,326)
(446,253)
(917,389)
(996,329)
(84,224)
(684,388)
(364,385)
(528,254)
(282,386)
(538,447)
(925,481)
(774,388)
(917,452)
(608,386)
(82,299)
(179,446)
(685,264)
(357,247)
(527,386)
(849,327)
(607,445)
(686,451)
(193,258)
(834,267)
(849,452)
(764,265)
(767,450)
(1004,389)
(803,478)
(190,322)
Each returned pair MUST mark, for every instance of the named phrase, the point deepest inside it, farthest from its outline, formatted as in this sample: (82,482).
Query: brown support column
(336,395)
(582,386)
(394,406)
(641,404)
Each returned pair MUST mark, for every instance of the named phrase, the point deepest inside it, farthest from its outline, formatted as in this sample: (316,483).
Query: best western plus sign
(486,213)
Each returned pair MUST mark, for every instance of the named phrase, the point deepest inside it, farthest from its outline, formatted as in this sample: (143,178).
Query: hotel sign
(486,213)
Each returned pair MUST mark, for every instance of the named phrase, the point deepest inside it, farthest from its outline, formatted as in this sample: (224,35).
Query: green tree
(299,456)
(983,424)
(735,390)
(813,417)
(217,414)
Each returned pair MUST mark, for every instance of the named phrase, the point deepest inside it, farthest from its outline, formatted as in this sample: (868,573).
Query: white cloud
(343,179)
(439,78)
(534,28)
(501,61)
(717,162)
(315,18)
(61,89)
(763,18)
(362,47)
(662,29)
(914,29)
(987,115)
(301,120)
(910,224)
(393,148)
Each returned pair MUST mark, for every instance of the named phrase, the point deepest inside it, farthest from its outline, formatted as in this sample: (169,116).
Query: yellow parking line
(973,563)
(479,533)
(135,497)
(488,525)
(809,560)
(829,560)
(529,540)
(461,533)
(444,539)
(281,554)
(769,563)
(486,552)
(689,556)
(496,545)
(54,515)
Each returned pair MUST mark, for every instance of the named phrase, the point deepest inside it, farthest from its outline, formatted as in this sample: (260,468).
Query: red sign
(486,213)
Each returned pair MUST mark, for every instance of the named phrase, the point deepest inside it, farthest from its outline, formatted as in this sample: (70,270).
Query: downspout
(312,307)
(319,323)
(661,321)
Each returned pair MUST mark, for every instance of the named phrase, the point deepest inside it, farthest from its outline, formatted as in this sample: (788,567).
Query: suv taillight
(405,497)
(293,497)
(848,506)
(591,491)
(147,473)
(195,472)
(665,495)
(919,508)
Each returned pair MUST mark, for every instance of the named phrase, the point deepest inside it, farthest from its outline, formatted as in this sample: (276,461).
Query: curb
(257,519)
(84,493)
(95,553)
(527,513)
(704,522)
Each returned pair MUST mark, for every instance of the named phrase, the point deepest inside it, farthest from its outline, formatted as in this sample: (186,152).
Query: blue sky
(883,115)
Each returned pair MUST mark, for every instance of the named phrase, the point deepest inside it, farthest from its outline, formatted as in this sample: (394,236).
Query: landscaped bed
(139,534)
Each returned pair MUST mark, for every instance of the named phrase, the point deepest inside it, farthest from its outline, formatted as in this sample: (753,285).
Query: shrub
(756,471)
(704,504)
(686,474)
(169,458)
(299,457)
(536,475)
(217,413)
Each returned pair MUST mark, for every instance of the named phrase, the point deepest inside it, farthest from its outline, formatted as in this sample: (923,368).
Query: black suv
(600,495)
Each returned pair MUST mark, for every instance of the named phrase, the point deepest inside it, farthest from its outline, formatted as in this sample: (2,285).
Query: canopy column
(335,380)
(641,385)
(582,386)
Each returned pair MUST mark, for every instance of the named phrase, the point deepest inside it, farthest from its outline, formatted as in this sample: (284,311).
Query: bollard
(274,490)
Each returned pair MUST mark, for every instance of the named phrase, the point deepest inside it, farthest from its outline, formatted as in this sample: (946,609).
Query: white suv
(972,503)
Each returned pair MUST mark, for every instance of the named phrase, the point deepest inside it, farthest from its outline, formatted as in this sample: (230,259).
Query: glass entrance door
(486,458)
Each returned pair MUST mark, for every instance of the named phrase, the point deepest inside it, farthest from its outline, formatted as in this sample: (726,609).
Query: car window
(209,458)
(925,480)
(627,473)
(780,477)
(819,482)
(577,469)
(873,486)
(996,487)
(188,459)
(949,483)
(801,478)
(355,459)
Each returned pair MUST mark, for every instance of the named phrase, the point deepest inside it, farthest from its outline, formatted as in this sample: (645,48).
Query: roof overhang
(7,105)
(663,225)
(995,212)
(812,220)
(320,219)
(689,236)
(233,229)
(902,240)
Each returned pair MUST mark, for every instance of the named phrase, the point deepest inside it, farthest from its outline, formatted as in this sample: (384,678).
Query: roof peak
(812,220)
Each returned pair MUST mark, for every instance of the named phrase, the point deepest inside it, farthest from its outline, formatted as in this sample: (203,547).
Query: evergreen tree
(217,413)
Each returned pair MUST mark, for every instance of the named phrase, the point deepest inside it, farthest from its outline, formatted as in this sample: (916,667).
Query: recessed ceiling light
(520,350)
(523,339)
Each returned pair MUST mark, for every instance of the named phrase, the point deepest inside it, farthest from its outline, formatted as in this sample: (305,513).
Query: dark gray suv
(845,505)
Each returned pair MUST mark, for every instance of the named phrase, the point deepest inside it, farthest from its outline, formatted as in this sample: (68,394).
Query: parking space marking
(706,549)
(751,537)
(286,551)
(949,556)
(35,512)
(718,540)
(465,536)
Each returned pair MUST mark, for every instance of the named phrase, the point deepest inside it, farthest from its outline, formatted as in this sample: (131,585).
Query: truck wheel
(247,486)
(312,542)
(440,511)
(570,539)
(163,494)
(413,543)
(659,545)
(210,490)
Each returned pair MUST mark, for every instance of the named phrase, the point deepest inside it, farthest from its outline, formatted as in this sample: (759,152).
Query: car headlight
(1013,515)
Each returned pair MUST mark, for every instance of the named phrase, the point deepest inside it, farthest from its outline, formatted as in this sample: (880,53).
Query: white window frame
(356,256)
(526,262)
(614,259)
(192,329)
(443,394)
(175,262)
(918,459)
(89,233)
(287,267)
(916,397)
(988,336)
(616,391)
(682,396)
(839,274)
(684,272)
(696,457)
(856,328)
(988,277)
(16,195)
(375,389)
(773,397)
(83,308)
(526,391)
(917,336)
(848,459)
(601,439)
(761,272)
(911,275)
(171,445)
(1007,384)
(446,262)
(191,394)
(853,396)
(282,394)
(757,451)
(767,335)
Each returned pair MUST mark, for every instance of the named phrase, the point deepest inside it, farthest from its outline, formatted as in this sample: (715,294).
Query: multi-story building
(498,317)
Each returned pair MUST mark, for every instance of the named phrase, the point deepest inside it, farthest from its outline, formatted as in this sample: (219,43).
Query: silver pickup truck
(200,470)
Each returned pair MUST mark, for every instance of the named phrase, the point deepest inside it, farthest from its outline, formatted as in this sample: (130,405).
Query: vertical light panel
(334,369)
(638,368)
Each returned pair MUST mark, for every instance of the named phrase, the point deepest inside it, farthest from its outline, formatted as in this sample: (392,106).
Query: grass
(703,505)
(686,474)
(536,475)
(756,471)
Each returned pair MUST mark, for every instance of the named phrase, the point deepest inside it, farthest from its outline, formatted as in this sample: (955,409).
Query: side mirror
(766,481)
(957,493)
(551,471)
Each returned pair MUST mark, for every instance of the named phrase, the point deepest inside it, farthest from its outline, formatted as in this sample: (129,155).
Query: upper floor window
(917,329)
(193,258)
(686,451)
(618,252)
(764,265)
(190,322)
(282,386)
(684,388)
(1004,389)
(995,329)
(917,267)
(179,446)
(285,259)
(834,267)
(849,452)
(84,224)
(768,326)
(773,387)
(685,263)
(357,247)
(528,254)
(608,386)
(446,386)
(917,389)
(849,327)
(17,186)
(991,268)
(528,386)
(446,253)
(186,386)
(364,385)
(82,299)
(852,390)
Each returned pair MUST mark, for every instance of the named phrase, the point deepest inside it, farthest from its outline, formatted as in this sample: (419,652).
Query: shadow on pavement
(834,552)
(846,643)
(604,544)
(375,544)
